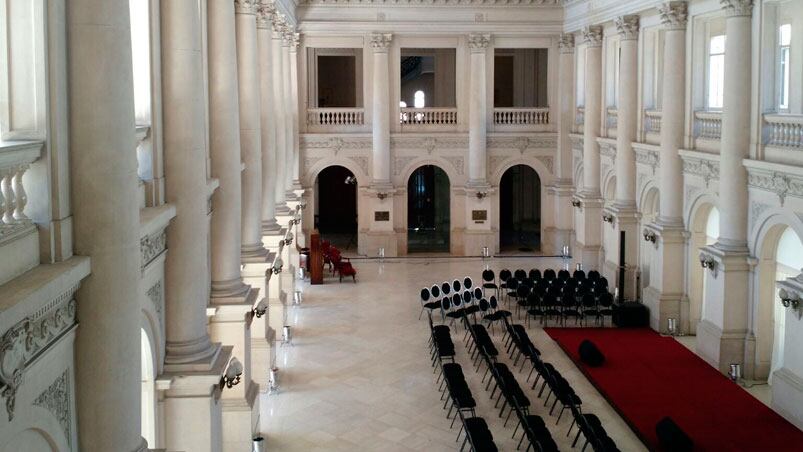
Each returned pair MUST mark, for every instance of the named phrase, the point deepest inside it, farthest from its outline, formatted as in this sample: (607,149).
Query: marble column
(665,293)
(287,44)
(296,179)
(224,149)
(477,111)
(267,119)
(722,331)
(250,133)
(277,74)
(380,124)
(105,225)
(563,188)
(624,207)
(589,227)
(193,363)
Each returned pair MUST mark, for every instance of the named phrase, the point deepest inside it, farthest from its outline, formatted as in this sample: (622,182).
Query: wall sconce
(481,194)
(233,373)
(576,203)
(260,309)
(608,218)
(789,299)
(381,195)
(277,266)
(649,236)
(708,262)
(302,205)
(351,180)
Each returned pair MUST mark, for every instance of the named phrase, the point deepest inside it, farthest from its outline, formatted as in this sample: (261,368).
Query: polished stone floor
(358,377)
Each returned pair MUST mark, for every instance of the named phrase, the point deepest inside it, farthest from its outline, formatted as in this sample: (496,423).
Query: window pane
(717,44)
(786,34)
(716,77)
(784,72)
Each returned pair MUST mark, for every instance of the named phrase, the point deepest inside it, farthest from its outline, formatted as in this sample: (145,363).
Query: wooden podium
(316,258)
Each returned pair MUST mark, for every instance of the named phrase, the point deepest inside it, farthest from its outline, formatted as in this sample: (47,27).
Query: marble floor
(358,376)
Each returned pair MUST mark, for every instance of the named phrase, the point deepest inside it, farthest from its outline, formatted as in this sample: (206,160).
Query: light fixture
(260,309)
(576,203)
(350,180)
(608,218)
(735,372)
(649,236)
(232,375)
(481,194)
(789,299)
(277,265)
(708,262)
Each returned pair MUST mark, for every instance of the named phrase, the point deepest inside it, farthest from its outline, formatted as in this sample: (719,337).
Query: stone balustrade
(611,121)
(708,125)
(521,116)
(652,126)
(783,130)
(428,116)
(336,116)
(15,159)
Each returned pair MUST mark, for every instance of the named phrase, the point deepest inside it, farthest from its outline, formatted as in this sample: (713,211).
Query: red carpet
(646,377)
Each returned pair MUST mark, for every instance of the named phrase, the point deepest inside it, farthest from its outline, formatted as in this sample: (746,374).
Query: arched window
(788,262)
(784,49)
(716,71)
(419,99)
(712,227)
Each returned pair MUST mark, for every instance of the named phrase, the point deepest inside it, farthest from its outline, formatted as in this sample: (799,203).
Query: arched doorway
(148,414)
(520,210)
(336,206)
(428,210)
(704,228)
(781,257)
(650,206)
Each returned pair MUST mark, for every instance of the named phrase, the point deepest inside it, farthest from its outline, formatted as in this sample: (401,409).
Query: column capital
(592,35)
(566,43)
(380,42)
(265,12)
(627,27)
(245,6)
(674,15)
(295,41)
(478,42)
(734,8)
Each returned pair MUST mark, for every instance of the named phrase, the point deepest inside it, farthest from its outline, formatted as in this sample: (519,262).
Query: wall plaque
(479,216)
(382,215)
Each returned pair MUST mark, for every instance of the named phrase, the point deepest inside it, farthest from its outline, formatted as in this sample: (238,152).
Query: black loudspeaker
(631,314)
(621,267)
(671,437)
(590,354)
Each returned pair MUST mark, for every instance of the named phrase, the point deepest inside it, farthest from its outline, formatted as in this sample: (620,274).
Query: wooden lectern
(316,258)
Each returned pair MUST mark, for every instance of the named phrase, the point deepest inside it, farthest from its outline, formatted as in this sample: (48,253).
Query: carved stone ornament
(457,162)
(478,42)
(380,42)
(737,7)
(151,246)
(421,3)
(13,354)
(592,35)
(56,399)
(627,26)
(245,6)
(566,43)
(265,15)
(296,41)
(674,15)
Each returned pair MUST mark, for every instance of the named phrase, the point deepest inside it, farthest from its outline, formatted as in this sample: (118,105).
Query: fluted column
(564,187)
(665,295)
(380,124)
(589,220)
(277,74)
(224,144)
(296,174)
(250,133)
(477,111)
(721,334)
(624,206)
(287,43)
(267,118)
(106,225)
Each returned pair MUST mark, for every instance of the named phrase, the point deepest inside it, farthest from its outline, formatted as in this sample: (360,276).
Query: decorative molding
(566,43)
(674,15)
(155,294)
(430,144)
(521,144)
(548,161)
(706,169)
(648,157)
(296,41)
(627,27)
(608,150)
(592,35)
(421,3)
(691,191)
(737,7)
(151,246)
(380,42)
(478,42)
(577,142)
(399,163)
(782,184)
(29,338)
(457,162)
(56,399)
(245,6)
(309,162)
(494,162)
(756,209)
(362,162)
(338,143)
(265,13)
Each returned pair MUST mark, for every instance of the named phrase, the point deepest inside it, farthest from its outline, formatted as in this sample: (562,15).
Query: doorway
(520,210)
(428,210)
(336,206)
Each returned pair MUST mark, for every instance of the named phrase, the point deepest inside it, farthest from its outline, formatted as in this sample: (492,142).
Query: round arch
(544,174)
(335,205)
(649,205)
(311,175)
(697,225)
(427,213)
(150,359)
(445,166)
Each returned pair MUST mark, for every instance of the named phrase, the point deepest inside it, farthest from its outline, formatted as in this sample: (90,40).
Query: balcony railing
(521,116)
(15,160)
(652,126)
(428,117)
(708,125)
(579,119)
(335,116)
(611,121)
(784,131)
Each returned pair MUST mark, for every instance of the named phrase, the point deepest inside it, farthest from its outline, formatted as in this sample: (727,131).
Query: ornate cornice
(296,41)
(566,43)
(781,183)
(627,27)
(592,35)
(706,169)
(737,7)
(674,15)
(478,42)
(56,399)
(245,6)
(380,42)
(648,157)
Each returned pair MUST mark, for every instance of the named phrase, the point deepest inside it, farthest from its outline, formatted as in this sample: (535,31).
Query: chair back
(435,291)
(520,274)
(446,288)
(477,293)
(457,300)
(606,300)
(579,275)
(504,275)
(488,275)
(467,282)
(456,285)
(467,297)
(493,303)
(549,274)
(424,294)
(484,305)
(589,301)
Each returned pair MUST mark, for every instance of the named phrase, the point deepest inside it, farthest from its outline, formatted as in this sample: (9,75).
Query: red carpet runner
(646,377)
